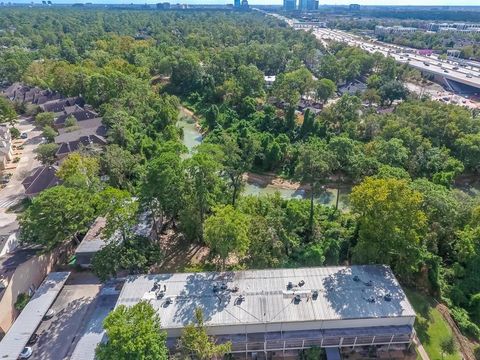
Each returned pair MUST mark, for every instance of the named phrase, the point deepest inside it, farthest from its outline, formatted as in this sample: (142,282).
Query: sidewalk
(420,349)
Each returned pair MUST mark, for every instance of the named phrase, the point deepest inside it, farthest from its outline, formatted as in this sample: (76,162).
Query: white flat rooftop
(27,322)
(328,293)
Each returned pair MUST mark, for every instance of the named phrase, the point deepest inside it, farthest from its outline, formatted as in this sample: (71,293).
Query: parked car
(23,135)
(49,314)
(26,353)
(33,339)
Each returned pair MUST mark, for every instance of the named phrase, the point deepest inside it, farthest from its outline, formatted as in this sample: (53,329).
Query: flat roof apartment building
(282,310)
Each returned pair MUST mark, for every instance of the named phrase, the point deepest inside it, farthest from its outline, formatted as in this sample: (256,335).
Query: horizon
(400,3)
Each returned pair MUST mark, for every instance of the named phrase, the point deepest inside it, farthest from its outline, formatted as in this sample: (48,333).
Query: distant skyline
(276,2)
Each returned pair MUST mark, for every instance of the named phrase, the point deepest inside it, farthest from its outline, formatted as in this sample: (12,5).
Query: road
(433,64)
(71,308)
(14,191)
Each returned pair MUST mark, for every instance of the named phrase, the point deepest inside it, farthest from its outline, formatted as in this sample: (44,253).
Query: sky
(278,2)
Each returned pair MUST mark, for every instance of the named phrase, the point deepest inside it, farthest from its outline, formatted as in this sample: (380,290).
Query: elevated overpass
(453,71)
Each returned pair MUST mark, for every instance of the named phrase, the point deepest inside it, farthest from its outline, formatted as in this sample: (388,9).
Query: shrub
(22,301)
(476,352)
(464,323)
(14,132)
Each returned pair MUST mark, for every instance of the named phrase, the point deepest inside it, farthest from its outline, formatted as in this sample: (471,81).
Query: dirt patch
(273,181)
(179,253)
(464,345)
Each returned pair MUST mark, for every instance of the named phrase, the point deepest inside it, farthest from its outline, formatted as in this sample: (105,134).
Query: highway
(468,75)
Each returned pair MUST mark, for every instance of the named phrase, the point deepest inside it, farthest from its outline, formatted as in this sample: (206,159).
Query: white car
(49,314)
(26,353)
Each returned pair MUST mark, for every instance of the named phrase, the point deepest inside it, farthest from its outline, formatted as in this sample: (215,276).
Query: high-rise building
(354,7)
(312,4)
(236,3)
(245,4)
(289,4)
(302,5)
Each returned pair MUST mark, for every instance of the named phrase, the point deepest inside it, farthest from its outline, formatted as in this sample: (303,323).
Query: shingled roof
(42,178)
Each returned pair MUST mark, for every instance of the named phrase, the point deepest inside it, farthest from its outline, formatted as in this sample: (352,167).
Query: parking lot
(71,308)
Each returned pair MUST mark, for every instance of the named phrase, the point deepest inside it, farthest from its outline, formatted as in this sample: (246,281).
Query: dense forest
(137,68)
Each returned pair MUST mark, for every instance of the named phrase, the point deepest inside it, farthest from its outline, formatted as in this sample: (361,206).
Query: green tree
(45,153)
(56,215)
(7,112)
(468,149)
(250,80)
(135,255)
(120,211)
(133,333)
(164,183)
(121,167)
(325,89)
(44,119)
(79,170)
(392,90)
(195,343)
(391,224)
(70,121)
(371,96)
(226,232)
(205,186)
(291,85)
(314,166)
(49,133)
(236,162)
(448,346)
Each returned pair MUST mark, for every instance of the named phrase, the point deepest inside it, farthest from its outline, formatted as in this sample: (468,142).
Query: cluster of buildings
(432,27)
(77,124)
(22,270)
(457,27)
(350,311)
(240,4)
(303,5)
(310,5)
(388,30)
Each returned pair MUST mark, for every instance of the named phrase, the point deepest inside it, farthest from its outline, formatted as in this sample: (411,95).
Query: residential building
(92,243)
(6,151)
(42,178)
(24,93)
(352,88)
(79,114)
(282,311)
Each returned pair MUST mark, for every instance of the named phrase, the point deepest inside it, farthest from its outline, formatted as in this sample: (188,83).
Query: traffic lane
(57,334)
(419,61)
(387,48)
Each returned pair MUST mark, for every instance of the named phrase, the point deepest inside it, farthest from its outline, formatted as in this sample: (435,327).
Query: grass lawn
(430,326)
